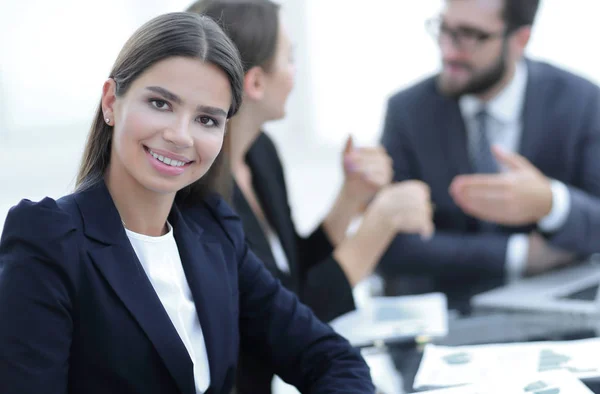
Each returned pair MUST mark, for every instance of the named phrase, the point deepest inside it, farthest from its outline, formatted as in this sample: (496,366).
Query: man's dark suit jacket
(79,315)
(314,274)
(425,135)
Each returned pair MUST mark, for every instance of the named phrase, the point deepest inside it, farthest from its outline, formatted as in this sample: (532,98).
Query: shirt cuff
(561,206)
(516,256)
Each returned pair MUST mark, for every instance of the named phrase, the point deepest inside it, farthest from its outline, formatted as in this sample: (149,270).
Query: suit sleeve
(35,299)
(447,253)
(276,327)
(324,286)
(315,247)
(581,231)
(326,290)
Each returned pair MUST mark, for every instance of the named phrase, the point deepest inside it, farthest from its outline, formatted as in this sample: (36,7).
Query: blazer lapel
(533,114)
(118,263)
(269,192)
(204,265)
(255,234)
(455,133)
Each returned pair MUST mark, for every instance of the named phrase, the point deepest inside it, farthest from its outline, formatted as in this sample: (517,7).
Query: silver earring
(107,121)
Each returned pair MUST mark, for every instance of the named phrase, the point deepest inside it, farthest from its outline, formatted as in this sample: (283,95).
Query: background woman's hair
(175,34)
(252,25)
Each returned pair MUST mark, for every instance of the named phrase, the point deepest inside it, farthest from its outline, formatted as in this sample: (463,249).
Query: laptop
(573,291)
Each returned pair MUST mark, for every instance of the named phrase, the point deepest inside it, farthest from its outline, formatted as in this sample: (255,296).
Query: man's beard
(479,83)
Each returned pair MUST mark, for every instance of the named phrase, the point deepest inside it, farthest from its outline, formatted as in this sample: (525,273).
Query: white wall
(351,55)
(361,52)
(56,54)
(54,57)
(380,46)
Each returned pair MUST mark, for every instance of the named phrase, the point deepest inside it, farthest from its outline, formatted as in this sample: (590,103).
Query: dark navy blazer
(79,315)
(315,276)
(425,135)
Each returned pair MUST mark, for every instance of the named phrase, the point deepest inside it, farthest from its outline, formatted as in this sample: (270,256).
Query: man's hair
(519,13)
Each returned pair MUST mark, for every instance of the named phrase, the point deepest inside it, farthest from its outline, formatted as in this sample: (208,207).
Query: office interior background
(350,57)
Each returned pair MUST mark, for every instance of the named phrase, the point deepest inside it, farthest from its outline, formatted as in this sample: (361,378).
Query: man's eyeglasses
(464,38)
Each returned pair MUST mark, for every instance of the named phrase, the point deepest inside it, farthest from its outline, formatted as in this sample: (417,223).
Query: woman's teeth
(166,160)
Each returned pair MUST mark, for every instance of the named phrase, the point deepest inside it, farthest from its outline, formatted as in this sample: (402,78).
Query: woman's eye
(206,121)
(159,104)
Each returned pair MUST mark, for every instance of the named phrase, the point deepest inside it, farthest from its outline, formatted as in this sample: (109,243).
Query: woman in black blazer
(322,268)
(141,281)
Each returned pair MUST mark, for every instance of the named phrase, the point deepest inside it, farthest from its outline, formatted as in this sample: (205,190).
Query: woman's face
(279,78)
(169,126)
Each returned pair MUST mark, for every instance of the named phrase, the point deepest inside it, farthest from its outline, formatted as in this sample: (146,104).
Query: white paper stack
(554,382)
(444,366)
(395,318)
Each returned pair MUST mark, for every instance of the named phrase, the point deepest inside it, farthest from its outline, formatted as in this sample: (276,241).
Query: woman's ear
(109,97)
(254,83)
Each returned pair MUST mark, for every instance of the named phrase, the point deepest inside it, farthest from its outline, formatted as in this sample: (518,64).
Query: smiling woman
(156,100)
(167,132)
(141,281)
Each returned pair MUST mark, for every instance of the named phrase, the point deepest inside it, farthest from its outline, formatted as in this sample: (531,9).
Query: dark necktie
(482,159)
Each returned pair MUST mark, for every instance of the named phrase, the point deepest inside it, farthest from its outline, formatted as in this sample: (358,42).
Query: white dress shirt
(160,258)
(278,252)
(504,128)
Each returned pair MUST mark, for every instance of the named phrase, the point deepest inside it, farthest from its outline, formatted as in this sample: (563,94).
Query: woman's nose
(179,135)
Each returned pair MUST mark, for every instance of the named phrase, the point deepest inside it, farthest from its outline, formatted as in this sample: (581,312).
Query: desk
(497,328)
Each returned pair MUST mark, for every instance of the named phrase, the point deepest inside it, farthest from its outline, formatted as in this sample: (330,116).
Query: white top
(160,258)
(505,128)
(278,252)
